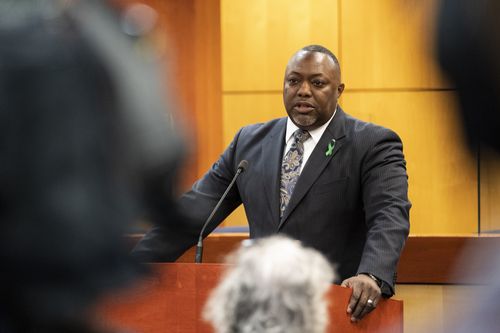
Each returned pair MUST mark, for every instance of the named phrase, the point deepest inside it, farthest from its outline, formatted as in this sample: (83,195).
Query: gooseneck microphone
(199,247)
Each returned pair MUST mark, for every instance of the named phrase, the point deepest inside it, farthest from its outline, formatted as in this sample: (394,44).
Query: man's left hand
(365,296)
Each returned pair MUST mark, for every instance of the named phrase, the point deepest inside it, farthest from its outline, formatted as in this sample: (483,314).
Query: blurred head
(312,87)
(276,285)
(82,115)
(468,45)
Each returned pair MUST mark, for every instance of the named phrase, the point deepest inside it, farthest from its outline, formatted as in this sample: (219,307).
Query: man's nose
(304,89)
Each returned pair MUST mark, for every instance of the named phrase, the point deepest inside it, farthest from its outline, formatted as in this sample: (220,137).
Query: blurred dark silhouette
(85,148)
(469,51)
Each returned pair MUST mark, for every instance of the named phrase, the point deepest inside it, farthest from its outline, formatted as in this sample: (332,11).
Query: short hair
(321,49)
(276,285)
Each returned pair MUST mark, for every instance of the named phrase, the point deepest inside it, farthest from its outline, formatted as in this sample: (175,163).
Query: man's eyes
(316,83)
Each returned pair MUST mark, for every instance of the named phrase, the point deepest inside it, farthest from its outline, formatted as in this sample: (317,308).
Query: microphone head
(243,165)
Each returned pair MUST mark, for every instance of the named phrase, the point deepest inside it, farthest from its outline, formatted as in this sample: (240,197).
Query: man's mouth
(303,107)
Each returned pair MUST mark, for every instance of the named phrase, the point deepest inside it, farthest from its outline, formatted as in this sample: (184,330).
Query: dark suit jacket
(351,205)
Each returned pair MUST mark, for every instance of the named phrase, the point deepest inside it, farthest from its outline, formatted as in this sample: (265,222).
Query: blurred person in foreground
(85,144)
(468,46)
(275,286)
(334,182)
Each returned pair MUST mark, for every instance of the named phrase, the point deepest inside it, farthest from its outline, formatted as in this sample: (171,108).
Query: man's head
(312,86)
(276,285)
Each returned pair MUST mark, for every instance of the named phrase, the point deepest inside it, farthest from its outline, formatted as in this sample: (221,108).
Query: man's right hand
(365,296)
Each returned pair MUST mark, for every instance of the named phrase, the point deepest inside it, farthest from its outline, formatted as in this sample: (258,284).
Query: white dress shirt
(310,143)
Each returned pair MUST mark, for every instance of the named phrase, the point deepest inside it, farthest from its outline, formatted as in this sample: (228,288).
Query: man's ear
(340,89)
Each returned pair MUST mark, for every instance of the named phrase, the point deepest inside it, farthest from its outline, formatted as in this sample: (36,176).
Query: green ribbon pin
(329,150)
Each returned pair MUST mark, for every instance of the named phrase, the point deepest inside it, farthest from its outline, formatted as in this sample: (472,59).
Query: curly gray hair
(275,286)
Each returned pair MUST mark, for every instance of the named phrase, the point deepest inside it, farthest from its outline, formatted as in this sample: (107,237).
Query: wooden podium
(172,298)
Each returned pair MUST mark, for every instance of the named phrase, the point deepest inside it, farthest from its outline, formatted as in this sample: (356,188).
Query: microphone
(199,247)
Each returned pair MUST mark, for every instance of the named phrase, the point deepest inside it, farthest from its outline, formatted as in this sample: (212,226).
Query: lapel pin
(329,150)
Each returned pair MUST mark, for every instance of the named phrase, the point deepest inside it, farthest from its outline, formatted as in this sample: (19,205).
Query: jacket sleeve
(386,204)
(177,225)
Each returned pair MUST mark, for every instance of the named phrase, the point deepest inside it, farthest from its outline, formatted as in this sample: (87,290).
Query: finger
(353,301)
(367,308)
(375,300)
(359,310)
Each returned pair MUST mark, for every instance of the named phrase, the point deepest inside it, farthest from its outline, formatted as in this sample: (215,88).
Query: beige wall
(433,308)
(490,191)
(386,59)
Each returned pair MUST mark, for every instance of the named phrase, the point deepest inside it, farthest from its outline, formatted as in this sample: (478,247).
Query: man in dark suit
(350,201)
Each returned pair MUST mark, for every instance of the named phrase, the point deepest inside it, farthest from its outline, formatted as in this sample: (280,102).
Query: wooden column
(188,39)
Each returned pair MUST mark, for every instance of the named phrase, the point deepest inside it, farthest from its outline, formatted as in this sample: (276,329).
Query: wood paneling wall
(386,55)
(386,44)
(226,59)
(442,174)
(193,29)
(225,67)
(259,36)
(188,38)
(489,167)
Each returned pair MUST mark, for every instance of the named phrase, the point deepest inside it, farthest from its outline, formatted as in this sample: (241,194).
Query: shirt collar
(316,133)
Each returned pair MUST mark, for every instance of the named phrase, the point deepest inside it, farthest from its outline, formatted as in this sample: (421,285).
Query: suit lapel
(272,153)
(317,162)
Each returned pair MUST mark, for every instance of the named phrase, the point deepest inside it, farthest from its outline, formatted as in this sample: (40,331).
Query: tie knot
(301,135)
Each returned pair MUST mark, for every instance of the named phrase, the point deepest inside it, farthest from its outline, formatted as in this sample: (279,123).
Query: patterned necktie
(290,168)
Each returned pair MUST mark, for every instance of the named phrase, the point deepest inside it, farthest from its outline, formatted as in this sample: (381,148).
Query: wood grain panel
(175,47)
(429,308)
(173,298)
(237,218)
(245,109)
(208,83)
(490,192)
(388,44)
(447,259)
(258,38)
(421,302)
(178,52)
(188,39)
(442,173)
